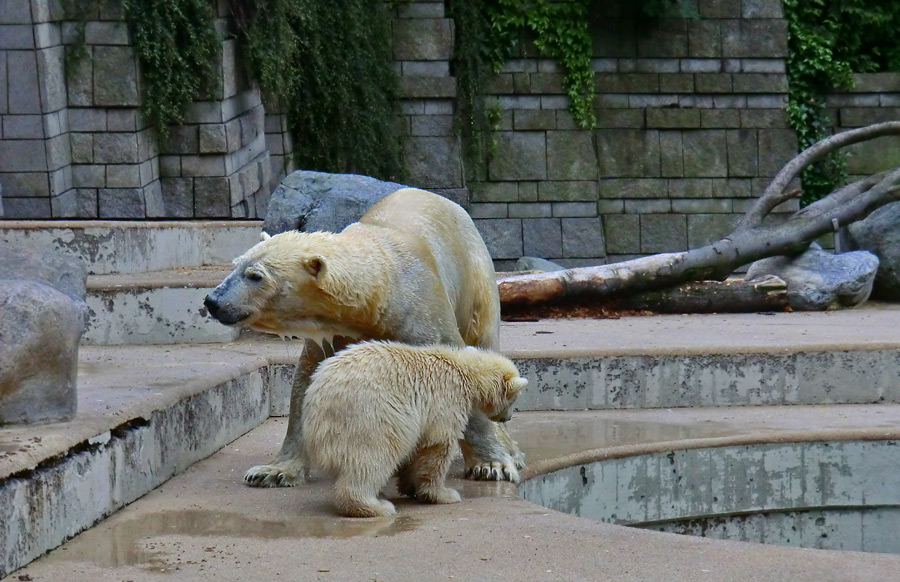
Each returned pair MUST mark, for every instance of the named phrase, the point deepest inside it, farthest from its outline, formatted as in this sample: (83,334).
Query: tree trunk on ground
(750,241)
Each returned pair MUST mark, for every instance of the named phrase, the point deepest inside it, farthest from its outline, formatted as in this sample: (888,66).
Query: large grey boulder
(818,280)
(42,317)
(318,201)
(879,234)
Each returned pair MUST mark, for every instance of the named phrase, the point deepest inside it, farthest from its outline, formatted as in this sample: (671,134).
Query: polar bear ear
(314,265)
(517,384)
(264,236)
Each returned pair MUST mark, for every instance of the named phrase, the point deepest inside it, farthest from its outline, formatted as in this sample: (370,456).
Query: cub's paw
(276,475)
(504,470)
(440,495)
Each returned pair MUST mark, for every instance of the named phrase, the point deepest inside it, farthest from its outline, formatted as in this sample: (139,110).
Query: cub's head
(274,284)
(501,384)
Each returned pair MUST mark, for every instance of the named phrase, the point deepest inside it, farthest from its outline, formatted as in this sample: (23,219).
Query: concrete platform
(148,413)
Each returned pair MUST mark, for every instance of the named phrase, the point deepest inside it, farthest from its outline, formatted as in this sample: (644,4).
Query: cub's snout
(222,310)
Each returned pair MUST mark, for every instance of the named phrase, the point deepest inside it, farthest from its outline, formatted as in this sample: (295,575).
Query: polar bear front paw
(504,470)
(276,475)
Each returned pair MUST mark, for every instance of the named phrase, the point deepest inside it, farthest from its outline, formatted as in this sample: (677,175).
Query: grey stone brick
(703,229)
(529,210)
(698,101)
(502,236)
(519,66)
(75,203)
(4,98)
(423,39)
(52,84)
(760,83)
(87,119)
(437,107)
(607,100)
(776,147)
(528,191)
(55,123)
(23,155)
(420,10)
(24,91)
(148,171)
(729,101)
(620,118)
(25,185)
(542,237)
(25,208)
(663,233)
(177,197)
(425,68)
(121,203)
(169,167)
(431,125)
(89,176)
(183,139)
(720,118)
(82,145)
(743,160)
(16,37)
(123,176)
(519,102)
(704,39)
(705,153)
(701,206)
(719,8)
(583,237)
(671,154)
(871,157)
(122,119)
(627,153)
(761,9)
(433,162)
(574,209)
(731,65)
(571,156)
(663,205)
(527,120)
(12,12)
(47,34)
(713,82)
(427,87)
(733,188)
(691,188)
(23,127)
(859,116)
(212,138)
(115,77)
(668,38)
(519,156)
(669,118)
(496,192)
(676,83)
(887,82)
(849,100)
(548,66)
(205,165)
(701,65)
(652,100)
(622,233)
(626,83)
(604,65)
(762,65)
(153,200)
(115,148)
(763,38)
(211,198)
(546,83)
(567,191)
(605,207)
(632,188)
(106,33)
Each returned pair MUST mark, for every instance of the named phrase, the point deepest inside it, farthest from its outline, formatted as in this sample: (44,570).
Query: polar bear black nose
(212,305)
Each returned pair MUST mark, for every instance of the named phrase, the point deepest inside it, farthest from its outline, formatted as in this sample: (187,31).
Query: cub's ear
(264,236)
(314,265)
(517,384)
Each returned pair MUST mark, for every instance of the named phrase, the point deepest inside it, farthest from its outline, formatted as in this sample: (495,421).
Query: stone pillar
(280,144)
(423,47)
(35,162)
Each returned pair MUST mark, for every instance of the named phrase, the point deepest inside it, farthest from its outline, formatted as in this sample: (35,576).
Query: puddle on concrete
(132,542)
(554,438)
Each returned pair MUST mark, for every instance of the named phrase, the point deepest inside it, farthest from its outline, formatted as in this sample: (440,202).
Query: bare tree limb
(750,241)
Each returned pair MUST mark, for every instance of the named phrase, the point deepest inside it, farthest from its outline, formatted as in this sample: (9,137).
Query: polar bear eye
(253,275)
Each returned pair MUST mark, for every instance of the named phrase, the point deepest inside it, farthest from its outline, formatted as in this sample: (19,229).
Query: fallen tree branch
(750,241)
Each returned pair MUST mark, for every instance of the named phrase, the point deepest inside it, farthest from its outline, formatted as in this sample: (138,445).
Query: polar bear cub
(382,408)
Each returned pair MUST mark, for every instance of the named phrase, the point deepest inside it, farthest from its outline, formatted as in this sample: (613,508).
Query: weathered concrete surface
(205,524)
(159,307)
(134,247)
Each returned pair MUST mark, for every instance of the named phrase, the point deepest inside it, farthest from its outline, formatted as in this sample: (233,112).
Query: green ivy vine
(828,41)
(177,43)
(328,65)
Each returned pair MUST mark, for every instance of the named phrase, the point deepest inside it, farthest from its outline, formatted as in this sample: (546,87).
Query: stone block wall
(75,145)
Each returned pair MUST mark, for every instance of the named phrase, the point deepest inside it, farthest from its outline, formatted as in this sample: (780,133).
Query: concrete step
(135,247)
(158,307)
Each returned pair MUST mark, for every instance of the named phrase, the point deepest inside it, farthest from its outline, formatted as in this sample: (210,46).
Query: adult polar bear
(413,269)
